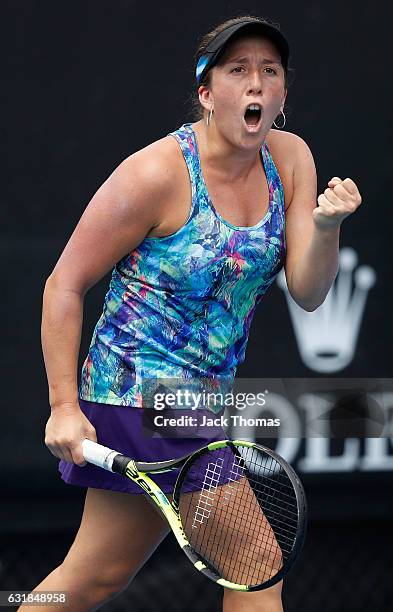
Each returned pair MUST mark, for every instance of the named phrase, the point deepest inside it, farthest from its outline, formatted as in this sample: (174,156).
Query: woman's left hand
(338,201)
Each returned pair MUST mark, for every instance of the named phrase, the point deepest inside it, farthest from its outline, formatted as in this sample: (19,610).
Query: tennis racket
(238,510)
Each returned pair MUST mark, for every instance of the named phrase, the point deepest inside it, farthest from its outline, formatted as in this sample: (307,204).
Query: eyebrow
(245,59)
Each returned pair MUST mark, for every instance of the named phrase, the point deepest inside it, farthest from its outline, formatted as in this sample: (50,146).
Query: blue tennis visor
(215,48)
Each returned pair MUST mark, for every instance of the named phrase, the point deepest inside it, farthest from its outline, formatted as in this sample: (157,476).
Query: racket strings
(239,512)
(265,541)
(228,559)
(209,488)
(244,551)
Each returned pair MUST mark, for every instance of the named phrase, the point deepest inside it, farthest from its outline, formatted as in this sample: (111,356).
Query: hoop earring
(279,127)
(209,116)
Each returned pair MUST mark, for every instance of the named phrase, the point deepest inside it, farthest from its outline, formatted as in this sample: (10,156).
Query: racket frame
(138,471)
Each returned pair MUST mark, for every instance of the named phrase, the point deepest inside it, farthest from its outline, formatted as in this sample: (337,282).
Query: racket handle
(99,455)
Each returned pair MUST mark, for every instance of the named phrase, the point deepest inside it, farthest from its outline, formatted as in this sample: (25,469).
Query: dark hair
(195,110)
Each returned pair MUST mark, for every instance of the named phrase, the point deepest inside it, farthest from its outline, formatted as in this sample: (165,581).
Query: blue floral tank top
(181,306)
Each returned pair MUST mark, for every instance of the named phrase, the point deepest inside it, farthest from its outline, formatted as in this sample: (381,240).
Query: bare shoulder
(154,165)
(286,145)
(118,217)
(146,180)
(289,152)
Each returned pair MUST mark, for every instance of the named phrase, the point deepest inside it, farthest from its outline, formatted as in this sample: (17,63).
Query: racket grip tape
(99,455)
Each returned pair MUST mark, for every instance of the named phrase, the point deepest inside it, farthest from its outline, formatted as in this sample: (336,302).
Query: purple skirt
(123,429)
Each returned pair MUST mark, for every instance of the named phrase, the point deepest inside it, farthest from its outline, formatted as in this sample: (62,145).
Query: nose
(255,84)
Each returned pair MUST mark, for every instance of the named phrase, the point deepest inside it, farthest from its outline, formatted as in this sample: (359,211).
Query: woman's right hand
(65,431)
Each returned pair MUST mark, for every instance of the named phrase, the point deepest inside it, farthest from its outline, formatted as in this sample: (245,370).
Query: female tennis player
(196,226)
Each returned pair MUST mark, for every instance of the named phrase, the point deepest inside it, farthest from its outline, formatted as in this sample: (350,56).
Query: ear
(205,97)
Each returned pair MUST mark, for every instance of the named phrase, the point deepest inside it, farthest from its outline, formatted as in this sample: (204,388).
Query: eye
(237,68)
(272,69)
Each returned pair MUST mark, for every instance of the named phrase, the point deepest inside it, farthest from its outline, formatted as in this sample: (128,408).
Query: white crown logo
(327,336)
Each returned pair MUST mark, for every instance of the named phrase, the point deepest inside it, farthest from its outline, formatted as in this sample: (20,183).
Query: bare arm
(312,255)
(116,220)
(61,326)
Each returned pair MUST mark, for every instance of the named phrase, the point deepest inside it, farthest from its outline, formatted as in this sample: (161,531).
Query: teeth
(253,107)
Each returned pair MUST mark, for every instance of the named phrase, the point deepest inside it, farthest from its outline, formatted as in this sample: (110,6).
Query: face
(249,72)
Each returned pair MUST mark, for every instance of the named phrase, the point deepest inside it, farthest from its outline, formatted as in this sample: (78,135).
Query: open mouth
(252,116)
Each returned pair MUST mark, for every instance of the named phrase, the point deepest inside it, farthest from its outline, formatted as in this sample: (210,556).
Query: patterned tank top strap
(185,137)
(274,181)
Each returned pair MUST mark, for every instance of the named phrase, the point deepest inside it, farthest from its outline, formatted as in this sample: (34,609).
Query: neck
(221,156)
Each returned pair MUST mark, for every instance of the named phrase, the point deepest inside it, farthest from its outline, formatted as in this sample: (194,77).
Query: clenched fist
(337,202)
